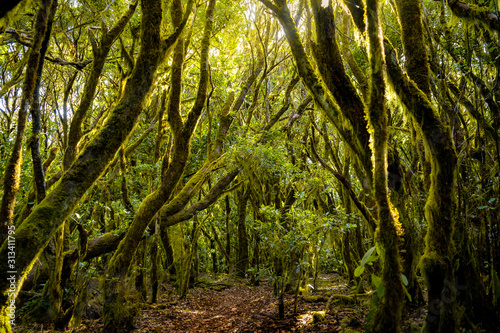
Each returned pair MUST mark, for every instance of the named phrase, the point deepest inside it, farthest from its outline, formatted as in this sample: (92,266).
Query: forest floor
(234,306)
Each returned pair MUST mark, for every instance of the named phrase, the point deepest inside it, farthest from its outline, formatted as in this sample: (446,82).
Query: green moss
(436,263)
(120,317)
(417,65)
(472,14)
(318,316)
(432,266)
(5,321)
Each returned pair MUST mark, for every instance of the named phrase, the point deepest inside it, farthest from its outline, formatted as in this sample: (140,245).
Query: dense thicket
(266,139)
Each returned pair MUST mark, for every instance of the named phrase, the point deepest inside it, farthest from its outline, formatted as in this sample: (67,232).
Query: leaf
(405,280)
(376,281)
(367,255)
(371,259)
(407,294)
(359,270)
(380,290)
(359,285)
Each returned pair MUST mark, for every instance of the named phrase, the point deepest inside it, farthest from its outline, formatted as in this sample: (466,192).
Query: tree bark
(34,140)
(387,317)
(228,233)
(437,261)
(242,262)
(331,67)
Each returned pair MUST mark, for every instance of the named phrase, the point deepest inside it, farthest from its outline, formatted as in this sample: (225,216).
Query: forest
(250,166)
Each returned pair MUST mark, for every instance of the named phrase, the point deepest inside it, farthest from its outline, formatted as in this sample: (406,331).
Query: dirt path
(233,309)
(242,309)
(236,309)
(239,308)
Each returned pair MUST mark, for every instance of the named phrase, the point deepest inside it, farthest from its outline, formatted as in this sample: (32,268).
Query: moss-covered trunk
(48,216)
(34,140)
(242,262)
(228,232)
(13,168)
(154,261)
(52,292)
(100,52)
(169,252)
(331,67)
(387,317)
(437,261)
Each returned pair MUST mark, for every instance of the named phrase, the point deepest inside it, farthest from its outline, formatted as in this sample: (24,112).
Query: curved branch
(372,224)
(475,14)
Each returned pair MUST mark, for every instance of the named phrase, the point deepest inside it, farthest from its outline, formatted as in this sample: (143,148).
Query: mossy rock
(318,316)
(351,323)
(350,330)
(339,299)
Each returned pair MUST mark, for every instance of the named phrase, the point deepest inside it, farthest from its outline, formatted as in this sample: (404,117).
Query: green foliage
(264,162)
(369,259)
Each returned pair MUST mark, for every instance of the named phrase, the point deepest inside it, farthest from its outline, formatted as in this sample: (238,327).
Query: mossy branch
(315,86)
(475,14)
(331,67)
(215,192)
(372,222)
(12,171)
(89,90)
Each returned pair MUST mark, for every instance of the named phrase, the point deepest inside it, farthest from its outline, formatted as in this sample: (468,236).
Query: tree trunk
(214,255)
(154,262)
(52,292)
(387,316)
(255,278)
(228,233)
(437,260)
(34,140)
(140,264)
(169,252)
(242,263)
